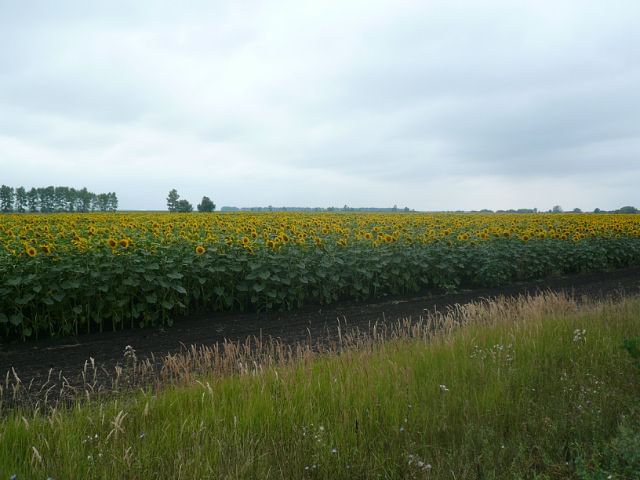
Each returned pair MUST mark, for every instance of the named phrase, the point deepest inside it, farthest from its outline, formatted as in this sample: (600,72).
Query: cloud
(325,103)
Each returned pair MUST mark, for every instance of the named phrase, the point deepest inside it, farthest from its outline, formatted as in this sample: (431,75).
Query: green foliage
(175,204)
(618,458)
(206,205)
(98,289)
(6,198)
(172,200)
(632,346)
(55,199)
(183,206)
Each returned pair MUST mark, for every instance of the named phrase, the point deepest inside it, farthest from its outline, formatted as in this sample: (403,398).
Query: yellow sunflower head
(46,249)
(112,243)
(124,243)
(200,250)
(32,252)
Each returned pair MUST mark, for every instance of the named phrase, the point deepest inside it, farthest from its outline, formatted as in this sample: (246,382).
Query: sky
(434,105)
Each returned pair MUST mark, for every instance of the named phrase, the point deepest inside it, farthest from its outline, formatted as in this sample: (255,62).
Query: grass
(529,388)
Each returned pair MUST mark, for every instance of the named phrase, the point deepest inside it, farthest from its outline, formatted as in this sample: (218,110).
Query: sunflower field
(62,274)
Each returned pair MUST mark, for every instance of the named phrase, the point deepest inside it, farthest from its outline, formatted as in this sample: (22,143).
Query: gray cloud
(315,103)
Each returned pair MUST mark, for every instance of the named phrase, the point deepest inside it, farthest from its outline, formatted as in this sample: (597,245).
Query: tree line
(55,199)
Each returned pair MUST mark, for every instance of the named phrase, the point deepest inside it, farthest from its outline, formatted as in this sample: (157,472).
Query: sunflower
(245,241)
(32,252)
(368,236)
(200,250)
(124,243)
(46,249)
(112,243)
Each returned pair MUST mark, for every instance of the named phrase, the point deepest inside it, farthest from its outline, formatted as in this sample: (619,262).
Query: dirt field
(33,361)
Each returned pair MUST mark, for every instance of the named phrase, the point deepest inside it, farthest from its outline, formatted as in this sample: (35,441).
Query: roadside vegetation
(534,387)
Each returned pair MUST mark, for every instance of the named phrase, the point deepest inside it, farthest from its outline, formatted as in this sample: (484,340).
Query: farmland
(63,274)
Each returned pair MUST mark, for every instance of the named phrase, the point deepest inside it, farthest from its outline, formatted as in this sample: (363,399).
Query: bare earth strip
(63,359)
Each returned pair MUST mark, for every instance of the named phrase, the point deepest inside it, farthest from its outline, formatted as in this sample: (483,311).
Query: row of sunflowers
(65,273)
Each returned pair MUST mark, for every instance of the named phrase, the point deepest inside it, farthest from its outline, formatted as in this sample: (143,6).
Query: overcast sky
(435,105)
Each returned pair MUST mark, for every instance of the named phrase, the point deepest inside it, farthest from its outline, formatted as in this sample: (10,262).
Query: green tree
(206,205)
(557,209)
(71,200)
(172,200)
(6,198)
(32,200)
(47,199)
(21,200)
(103,202)
(84,200)
(183,206)
(60,198)
(627,209)
(112,202)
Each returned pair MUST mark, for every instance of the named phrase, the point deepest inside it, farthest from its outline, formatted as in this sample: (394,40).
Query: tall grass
(526,388)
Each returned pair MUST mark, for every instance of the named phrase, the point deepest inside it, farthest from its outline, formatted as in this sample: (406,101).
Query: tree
(60,198)
(103,202)
(32,200)
(557,209)
(577,210)
(112,202)
(46,196)
(206,205)
(21,200)
(172,200)
(183,206)
(627,209)
(95,203)
(6,198)
(71,199)
(84,200)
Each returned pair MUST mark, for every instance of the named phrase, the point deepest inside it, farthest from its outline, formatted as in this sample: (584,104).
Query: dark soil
(32,361)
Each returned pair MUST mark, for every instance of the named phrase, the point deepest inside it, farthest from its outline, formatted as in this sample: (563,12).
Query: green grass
(536,388)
